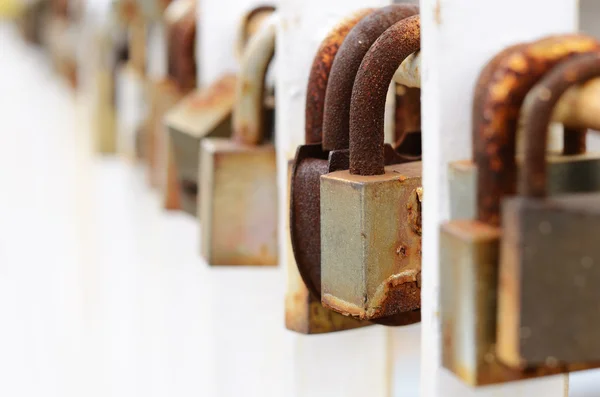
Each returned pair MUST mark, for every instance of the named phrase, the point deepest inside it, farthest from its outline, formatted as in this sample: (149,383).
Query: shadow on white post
(459,37)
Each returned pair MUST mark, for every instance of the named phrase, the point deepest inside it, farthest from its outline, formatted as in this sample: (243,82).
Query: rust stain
(437,13)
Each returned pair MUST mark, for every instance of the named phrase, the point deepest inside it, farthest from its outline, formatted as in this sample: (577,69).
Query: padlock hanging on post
(204,113)
(549,293)
(469,249)
(325,116)
(237,177)
(370,214)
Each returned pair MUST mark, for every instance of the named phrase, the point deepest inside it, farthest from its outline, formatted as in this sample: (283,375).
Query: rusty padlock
(166,93)
(203,114)
(303,310)
(315,159)
(237,179)
(469,249)
(548,295)
(370,214)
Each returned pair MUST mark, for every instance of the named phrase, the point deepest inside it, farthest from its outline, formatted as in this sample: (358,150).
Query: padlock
(315,159)
(469,249)
(249,24)
(548,296)
(237,179)
(202,114)
(180,19)
(371,213)
(303,310)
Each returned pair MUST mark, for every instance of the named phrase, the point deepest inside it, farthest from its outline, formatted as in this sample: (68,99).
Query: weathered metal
(370,214)
(548,285)
(494,138)
(470,248)
(346,64)
(181,46)
(237,185)
(311,161)
(203,113)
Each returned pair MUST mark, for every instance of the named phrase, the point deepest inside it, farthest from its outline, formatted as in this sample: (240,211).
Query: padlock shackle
(336,121)
(248,110)
(500,91)
(536,115)
(181,40)
(367,110)
(250,22)
(319,75)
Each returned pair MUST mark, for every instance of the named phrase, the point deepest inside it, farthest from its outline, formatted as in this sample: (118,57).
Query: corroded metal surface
(319,76)
(496,109)
(181,47)
(249,114)
(545,315)
(371,237)
(369,94)
(345,66)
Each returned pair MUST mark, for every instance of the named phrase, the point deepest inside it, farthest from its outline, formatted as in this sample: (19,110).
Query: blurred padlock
(371,213)
(205,113)
(238,190)
(315,159)
(549,293)
(180,80)
(469,249)
(304,312)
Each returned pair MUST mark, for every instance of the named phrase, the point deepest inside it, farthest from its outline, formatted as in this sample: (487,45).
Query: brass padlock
(315,159)
(237,179)
(548,297)
(370,214)
(202,114)
(304,312)
(469,249)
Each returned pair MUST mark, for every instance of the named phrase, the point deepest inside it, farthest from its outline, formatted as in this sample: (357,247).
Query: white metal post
(459,37)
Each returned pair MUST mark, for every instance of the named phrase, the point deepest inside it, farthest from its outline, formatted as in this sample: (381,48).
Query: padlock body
(371,241)
(201,114)
(468,280)
(566,174)
(549,296)
(238,203)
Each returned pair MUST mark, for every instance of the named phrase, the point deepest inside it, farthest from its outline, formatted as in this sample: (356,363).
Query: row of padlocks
(519,284)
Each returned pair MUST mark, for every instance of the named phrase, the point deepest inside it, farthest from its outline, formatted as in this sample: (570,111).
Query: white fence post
(459,37)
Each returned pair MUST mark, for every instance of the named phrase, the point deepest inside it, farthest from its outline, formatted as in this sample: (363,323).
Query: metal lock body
(201,114)
(548,298)
(370,214)
(327,117)
(304,312)
(238,189)
(469,249)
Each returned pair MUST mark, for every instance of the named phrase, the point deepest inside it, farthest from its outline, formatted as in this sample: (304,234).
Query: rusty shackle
(319,75)
(501,89)
(248,111)
(249,24)
(536,115)
(181,65)
(336,124)
(367,111)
